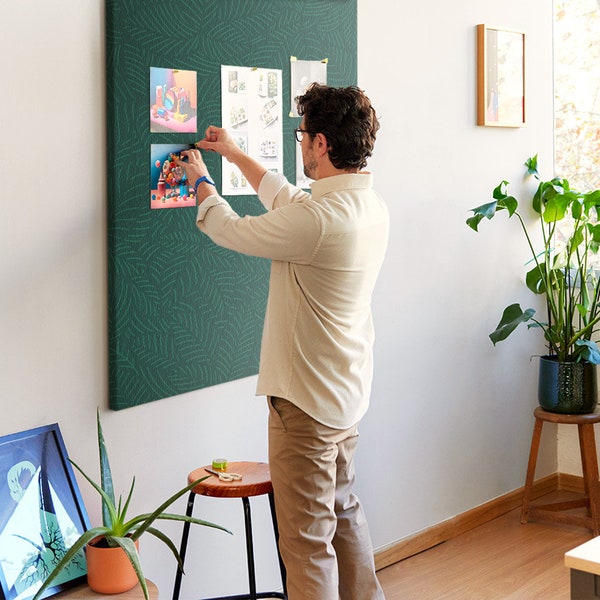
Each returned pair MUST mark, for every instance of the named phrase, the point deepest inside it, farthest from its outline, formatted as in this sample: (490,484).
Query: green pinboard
(183,313)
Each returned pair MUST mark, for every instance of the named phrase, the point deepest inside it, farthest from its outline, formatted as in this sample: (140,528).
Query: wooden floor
(501,560)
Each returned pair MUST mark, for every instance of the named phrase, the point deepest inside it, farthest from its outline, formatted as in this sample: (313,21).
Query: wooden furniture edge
(585,557)
(451,528)
(83,592)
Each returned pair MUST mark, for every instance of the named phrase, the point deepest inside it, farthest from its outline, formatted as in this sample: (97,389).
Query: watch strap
(201,179)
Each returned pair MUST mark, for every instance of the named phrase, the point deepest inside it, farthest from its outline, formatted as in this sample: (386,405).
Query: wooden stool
(555,512)
(256,481)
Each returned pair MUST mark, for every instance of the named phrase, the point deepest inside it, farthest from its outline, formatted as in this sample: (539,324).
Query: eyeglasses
(299,133)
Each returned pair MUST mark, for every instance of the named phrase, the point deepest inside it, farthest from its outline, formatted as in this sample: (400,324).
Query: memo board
(185,314)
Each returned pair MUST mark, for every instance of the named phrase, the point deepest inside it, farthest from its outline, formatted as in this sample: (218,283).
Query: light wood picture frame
(500,77)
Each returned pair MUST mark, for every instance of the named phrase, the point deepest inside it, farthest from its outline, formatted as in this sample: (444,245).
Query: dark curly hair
(345,117)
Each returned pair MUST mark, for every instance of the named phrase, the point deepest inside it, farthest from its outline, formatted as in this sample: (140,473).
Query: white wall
(462,408)
(450,421)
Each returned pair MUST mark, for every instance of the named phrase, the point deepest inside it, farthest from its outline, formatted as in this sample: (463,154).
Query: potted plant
(565,271)
(119,533)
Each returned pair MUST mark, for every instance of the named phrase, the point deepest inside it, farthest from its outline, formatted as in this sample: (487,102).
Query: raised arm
(219,140)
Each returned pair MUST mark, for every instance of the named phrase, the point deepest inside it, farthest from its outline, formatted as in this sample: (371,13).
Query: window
(577,92)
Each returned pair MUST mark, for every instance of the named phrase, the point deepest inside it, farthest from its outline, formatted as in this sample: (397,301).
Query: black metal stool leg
(253,595)
(182,550)
(276,532)
(249,549)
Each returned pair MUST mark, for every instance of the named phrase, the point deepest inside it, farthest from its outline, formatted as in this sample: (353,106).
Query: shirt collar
(355,181)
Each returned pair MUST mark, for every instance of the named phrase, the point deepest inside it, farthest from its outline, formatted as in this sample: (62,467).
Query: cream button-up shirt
(326,249)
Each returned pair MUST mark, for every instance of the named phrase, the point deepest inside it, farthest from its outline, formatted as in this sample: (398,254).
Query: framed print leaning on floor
(41,513)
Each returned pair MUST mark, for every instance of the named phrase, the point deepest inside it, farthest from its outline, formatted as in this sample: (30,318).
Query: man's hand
(195,166)
(219,140)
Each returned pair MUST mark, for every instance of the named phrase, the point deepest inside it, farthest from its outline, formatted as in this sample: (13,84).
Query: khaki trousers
(323,534)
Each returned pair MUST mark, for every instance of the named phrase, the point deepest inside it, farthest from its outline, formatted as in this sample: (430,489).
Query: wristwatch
(200,180)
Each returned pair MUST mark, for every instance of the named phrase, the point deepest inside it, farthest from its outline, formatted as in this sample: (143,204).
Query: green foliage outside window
(577,92)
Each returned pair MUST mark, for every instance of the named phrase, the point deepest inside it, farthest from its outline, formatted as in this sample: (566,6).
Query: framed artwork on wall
(500,77)
(41,513)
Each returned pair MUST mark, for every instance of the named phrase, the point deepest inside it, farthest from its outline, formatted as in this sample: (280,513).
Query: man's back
(322,359)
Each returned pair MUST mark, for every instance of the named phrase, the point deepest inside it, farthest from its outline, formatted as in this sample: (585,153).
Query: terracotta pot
(109,569)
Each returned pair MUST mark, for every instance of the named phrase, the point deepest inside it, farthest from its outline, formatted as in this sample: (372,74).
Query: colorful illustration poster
(251,110)
(169,187)
(173,101)
(302,74)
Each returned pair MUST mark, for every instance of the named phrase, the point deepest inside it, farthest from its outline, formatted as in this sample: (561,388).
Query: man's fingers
(192,154)
(206,145)
(211,134)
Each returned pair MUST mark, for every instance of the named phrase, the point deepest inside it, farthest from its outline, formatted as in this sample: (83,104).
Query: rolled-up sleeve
(289,233)
(208,203)
(275,191)
(270,185)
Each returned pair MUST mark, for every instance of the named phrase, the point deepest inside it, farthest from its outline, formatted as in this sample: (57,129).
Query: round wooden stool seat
(544,415)
(256,481)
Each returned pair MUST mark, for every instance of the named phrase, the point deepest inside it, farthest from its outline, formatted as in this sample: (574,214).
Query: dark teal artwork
(41,514)
(183,313)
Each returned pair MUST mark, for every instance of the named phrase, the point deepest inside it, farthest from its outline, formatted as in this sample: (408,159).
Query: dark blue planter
(567,388)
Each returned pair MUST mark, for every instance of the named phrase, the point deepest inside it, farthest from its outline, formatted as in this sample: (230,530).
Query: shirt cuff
(206,204)
(268,188)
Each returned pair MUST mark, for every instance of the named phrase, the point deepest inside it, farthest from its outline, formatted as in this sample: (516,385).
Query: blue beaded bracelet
(200,180)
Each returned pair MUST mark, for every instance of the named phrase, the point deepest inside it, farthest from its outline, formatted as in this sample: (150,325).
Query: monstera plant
(563,241)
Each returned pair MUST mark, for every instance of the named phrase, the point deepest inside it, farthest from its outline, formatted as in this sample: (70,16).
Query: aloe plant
(117,528)
(563,270)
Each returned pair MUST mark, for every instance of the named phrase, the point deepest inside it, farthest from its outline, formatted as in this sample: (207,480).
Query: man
(316,368)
